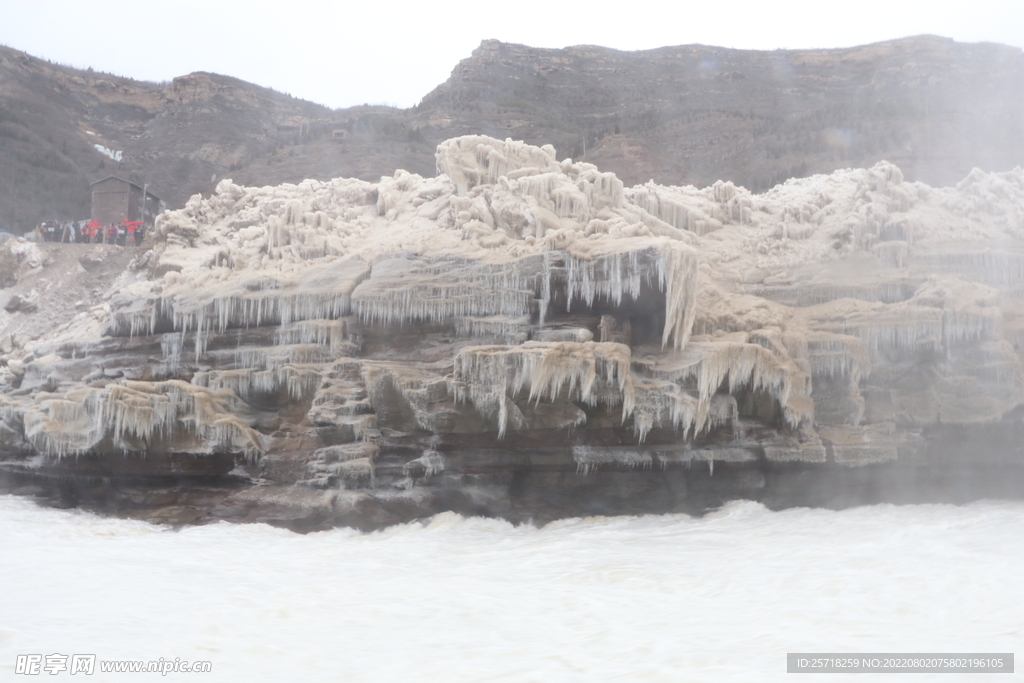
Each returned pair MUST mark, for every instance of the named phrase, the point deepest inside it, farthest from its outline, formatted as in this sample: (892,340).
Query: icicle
(545,298)
(331,333)
(837,355)
(438,289)
(431,462)
(141,412)
(508,330)
(588,458)
(488,375)
(612,276)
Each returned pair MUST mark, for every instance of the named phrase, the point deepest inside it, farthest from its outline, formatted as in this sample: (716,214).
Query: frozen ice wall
(832,317)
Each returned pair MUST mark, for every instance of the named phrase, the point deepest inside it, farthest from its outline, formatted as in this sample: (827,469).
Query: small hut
(115,198)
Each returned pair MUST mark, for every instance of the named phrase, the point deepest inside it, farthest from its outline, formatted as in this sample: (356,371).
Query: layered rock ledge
(528,338)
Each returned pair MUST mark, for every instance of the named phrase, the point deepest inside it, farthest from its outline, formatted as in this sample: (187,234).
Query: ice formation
(490,376)
(138,417)
(516,293)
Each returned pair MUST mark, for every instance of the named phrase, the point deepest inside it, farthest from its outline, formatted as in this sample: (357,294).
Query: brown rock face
(697,114)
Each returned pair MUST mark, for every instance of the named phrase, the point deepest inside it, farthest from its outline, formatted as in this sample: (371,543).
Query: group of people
(92,232)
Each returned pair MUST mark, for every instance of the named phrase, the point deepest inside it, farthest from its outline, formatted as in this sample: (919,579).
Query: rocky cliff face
(698,114)
(679,115)
(527,337)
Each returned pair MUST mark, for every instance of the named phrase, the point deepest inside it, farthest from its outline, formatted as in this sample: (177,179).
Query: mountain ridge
(679,115)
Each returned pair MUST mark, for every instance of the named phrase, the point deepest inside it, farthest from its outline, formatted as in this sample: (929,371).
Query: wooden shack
(115,198)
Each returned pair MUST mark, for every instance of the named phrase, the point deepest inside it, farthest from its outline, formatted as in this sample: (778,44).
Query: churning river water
(657,598)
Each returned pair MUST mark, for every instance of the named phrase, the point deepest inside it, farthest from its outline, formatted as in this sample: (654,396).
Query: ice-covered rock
(393,335)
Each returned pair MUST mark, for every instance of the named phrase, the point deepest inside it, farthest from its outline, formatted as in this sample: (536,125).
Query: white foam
(658,598)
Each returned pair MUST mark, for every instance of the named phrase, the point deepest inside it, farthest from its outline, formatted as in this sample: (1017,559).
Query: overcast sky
(347,53)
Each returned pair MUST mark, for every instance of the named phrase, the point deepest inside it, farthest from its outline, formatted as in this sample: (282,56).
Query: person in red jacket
(91,228)
(133,233)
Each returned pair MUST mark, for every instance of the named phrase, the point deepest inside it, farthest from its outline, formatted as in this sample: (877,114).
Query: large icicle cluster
(141,416)
(588,372)
(671,266)
(406,288)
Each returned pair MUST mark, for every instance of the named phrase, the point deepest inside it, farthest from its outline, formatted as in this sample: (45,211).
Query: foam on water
(658,598)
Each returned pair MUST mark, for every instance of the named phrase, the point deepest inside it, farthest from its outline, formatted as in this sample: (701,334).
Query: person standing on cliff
(134,232)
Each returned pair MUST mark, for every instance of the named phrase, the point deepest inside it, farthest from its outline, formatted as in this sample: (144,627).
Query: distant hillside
(678,115)
(696,114)
(177,137)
